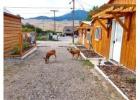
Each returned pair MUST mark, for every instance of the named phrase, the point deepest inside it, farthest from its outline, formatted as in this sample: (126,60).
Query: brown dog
(49,54)
(74,52)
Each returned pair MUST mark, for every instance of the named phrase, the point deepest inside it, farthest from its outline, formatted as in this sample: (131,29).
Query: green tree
(89,17)
(29,28)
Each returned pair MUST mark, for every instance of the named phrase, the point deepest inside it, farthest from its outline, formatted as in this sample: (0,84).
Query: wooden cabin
(13,37)
(114,32)
(84,31)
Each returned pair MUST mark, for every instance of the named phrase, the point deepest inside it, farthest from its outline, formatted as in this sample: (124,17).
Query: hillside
(79,15)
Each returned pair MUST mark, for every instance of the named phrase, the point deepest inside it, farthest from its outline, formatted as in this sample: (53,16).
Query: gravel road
(63,78)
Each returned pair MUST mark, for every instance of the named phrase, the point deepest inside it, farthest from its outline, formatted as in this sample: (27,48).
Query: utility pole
(54,11)
(73,10)
(35,28)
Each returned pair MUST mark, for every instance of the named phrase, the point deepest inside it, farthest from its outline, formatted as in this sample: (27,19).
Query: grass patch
(82,78)
(131,80)
(43,37)
(88,64)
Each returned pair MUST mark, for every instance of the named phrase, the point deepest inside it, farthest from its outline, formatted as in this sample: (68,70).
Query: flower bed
(91,54)
(122,78)
(88,53)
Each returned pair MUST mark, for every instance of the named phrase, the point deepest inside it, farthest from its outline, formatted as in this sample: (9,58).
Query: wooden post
(129,26)
(121,23)
(107,31)
(20,43)
(35,39)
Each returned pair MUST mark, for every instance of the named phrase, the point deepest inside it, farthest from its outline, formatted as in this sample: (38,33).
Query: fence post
(20,43)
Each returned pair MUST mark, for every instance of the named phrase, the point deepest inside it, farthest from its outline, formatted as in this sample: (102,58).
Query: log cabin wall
(83,30)
(128,51)
(80,36)
(101,46)
(12,31)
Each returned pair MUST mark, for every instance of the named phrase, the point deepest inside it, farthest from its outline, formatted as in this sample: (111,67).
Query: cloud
(62,5)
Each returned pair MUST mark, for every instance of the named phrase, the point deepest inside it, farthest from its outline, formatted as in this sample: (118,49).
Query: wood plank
(12,19)
(10,35)
(120,22)
(10,42)
(12,22)
(102,25)
(10,39)
(12,25)
(129,27)
(12,29)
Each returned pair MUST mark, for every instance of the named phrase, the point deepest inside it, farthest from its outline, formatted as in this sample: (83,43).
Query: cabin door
(116,41)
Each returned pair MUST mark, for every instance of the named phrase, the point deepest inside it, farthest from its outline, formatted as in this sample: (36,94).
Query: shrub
(39,37)
(15,50)
(131,80)
(26,45)
(88,64)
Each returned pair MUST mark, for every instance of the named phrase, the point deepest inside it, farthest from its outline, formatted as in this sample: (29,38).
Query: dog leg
(78,56)
(55,57)
(72,56)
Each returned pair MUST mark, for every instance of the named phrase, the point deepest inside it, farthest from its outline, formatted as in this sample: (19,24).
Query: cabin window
(98,33)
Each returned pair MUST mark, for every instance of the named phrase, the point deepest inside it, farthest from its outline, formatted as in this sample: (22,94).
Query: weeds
(131,80)
(15,50)
(82,78)
(88,64)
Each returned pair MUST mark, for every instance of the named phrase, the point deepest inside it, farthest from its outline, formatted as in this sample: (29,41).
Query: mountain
(79,15)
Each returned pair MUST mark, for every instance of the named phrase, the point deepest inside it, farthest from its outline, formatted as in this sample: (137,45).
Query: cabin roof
(12,15)
(107,10)
(86,22)
(110,1)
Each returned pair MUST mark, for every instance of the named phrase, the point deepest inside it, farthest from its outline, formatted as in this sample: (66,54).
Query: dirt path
(63,79)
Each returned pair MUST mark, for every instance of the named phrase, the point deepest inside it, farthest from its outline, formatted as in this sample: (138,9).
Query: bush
(26,45)
(88,64)
(131,79)
(39,37)
(16,50)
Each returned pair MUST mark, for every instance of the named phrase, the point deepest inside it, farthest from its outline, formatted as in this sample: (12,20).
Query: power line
(36,13)
(40,7)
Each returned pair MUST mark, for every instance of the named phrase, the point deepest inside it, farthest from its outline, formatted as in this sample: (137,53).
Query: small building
(114,32)
(68,30)
(14,43)
(84,32)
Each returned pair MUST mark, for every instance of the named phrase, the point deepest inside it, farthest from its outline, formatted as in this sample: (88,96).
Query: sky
(32,8)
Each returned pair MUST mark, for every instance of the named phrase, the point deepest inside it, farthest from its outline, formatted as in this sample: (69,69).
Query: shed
(84,31)
(14,44)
